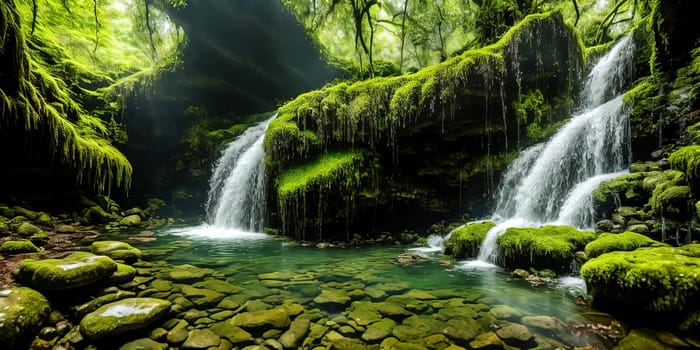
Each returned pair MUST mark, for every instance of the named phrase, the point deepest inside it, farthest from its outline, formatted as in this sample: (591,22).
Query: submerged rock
(22,312)
(123,316)
(74,271)
(201,339)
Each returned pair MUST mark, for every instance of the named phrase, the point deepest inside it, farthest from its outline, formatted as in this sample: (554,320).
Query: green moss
(465,241)
(626,186)
(23,312)
(626,241)
(650,279)
(325,169)
(545,247)
(687,160)
(74,271)
(18,247)
(116,250)
(671,196)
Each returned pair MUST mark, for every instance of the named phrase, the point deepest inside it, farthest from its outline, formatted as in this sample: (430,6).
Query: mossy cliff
(430,139)
(65,70)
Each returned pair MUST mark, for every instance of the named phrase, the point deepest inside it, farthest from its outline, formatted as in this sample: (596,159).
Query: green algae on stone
(325,170)
(545,247)
(654,279)
(626,241)
(26,229)
(22,312)
(18,247)
(123,274)
(116,250)
(123,316)
(465,241)
(74,271)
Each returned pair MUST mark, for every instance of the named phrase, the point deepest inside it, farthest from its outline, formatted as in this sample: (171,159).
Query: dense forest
(546,138)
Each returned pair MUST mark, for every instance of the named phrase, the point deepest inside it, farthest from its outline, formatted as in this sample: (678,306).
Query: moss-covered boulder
(116,250)
(130,220)
(658,279)
(626,241)
(22,312)
(465,241)
(548,246)
(18,247)
(123,316)
(74,271)
(26,230)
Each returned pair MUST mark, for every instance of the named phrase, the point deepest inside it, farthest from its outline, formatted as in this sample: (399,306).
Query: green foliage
(61,59)
(465,240)
(651,279)
(544,247)
(626,241)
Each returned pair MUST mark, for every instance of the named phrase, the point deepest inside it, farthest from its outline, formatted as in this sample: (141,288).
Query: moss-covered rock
(123,274)
(465,241)
(548,246)
(671,198)
(22,312)
(626,241)
(431,138)
(26,230)
(116,250)
(74,271)
(40,238)
(123,316)
(660,279)
(130,220)
(18,247)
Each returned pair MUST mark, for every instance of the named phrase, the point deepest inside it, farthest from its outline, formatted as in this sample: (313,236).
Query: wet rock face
(22,311)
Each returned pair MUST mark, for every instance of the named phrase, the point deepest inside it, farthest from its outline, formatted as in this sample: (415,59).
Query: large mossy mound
(465,241)
(551,247)
(74,271)
(658,280)
(626,241)
(432,138)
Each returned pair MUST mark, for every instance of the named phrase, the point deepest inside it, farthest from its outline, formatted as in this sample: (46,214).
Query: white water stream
(237,186)
(552,182)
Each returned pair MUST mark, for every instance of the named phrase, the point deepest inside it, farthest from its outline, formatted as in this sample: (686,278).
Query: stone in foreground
(22,311)
(76,270)
(123,316)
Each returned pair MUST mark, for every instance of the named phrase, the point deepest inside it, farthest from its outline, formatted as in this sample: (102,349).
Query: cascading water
(552,182)
(237,186)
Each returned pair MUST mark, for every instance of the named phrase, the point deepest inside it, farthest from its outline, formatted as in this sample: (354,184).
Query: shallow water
(302,272)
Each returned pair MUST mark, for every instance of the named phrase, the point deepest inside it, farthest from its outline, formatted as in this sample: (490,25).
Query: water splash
(237,186)
(550,181)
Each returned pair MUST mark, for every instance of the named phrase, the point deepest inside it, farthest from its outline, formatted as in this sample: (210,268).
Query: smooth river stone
(76,270)
(123,316)
(379,330)
(276,318)
(332,296)
(201,339)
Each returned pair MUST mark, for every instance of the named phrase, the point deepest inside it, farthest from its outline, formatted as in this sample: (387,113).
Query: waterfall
(552,182)
(237,185)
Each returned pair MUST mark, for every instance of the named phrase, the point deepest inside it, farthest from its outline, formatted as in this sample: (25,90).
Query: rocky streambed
(254,292)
